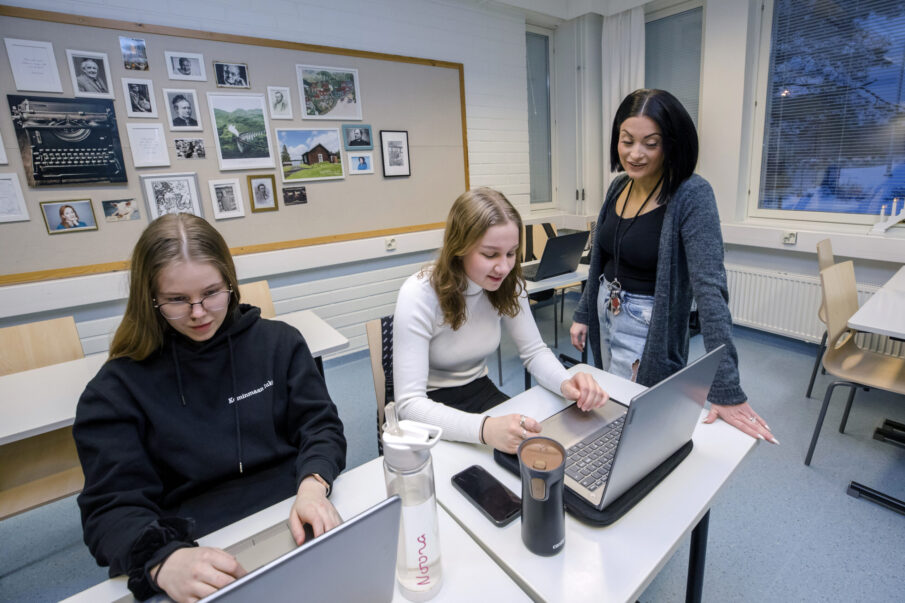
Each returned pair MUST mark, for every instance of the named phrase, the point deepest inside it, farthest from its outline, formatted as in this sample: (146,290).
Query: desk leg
(320,365)
(875,496)
(696,559)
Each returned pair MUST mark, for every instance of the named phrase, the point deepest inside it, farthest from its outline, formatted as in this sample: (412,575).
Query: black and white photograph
(171,194)
(182,109)
(231,75)
(226,198)
(68,216)
(295,195)
(90,73)
(279,101)
(3,158)
(360,163)
(190,148)
(12,201)
(357,137)
(139,95)
(185,66)
(261,191)
(148,145)
(395,147)
(34,65)
(121,210)
(135,53)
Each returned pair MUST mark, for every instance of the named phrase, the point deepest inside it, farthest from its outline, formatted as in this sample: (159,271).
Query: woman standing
(659,247)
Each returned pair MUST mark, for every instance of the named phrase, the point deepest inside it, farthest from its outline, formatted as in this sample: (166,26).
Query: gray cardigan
(690,237)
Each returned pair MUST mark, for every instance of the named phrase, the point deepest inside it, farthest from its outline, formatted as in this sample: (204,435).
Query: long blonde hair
(169,238)
(469,218)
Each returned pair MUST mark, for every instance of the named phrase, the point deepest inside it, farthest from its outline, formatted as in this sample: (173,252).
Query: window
(540,168)
(834,118)
(672,56)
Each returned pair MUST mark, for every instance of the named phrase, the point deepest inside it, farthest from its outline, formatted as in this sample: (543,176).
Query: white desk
(553,282)
(322,339)
(613,563)
(468,573)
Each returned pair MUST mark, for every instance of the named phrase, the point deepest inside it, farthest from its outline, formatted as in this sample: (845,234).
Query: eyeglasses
(180,309)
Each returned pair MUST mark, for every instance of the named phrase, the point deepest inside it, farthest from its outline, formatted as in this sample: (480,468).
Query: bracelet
(481,434)
(321,481)
(157,573)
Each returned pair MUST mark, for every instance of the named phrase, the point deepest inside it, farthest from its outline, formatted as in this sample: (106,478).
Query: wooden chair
(380,346)
(824,260)
(853,366)
(257,294)
(43,468)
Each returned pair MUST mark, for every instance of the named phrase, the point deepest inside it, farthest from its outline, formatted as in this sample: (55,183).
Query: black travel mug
(542,467)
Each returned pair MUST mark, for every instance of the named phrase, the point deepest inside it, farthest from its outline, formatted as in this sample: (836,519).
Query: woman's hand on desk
(193,573)
(743,418)
(579,334)
(585,390)
(507,432)
(312,507)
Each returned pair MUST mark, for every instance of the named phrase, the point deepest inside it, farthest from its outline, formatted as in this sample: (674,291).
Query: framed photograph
(171,194)
(135,53)
(241,130)
(310,154)
(329,92)
(395,146)
(231,75)
(360,163)
(295,195)
(182,109)
(279,101)
(357,137)
(68,216)
(261,191)
(121,210)
(226,198)
(3,159)
(90,73)
(190,148)
(33,65)
(185,65)
(139,95)
(12,201)
(148,144)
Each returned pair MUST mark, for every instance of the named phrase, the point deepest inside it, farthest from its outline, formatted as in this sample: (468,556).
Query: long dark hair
(678,134)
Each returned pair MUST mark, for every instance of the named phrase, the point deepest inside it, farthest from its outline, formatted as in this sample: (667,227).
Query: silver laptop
(561,255)
(612,448)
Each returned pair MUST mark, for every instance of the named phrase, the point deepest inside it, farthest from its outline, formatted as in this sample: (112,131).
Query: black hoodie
(197,436)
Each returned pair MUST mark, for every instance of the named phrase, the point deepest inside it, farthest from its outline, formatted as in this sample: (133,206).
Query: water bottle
(410,474)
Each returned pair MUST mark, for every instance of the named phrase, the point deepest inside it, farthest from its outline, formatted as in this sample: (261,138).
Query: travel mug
(542,467)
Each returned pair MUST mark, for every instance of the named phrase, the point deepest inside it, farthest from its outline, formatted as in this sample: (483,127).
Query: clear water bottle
(410,474)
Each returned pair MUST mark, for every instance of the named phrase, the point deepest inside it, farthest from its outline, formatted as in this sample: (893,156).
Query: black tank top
(639,249)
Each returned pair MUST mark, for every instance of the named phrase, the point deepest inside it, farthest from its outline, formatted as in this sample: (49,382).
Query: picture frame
(121,210)
(358,137)
(190,148)
(329,92)
(185,65)
(171,194)
(148,144)
(308,154)
(90,72)
(135,53)
(279,99)
(139,97)
(295,195)
(231,75)
(394,145)
(3,159)
(241,130)
(183,114)
(226,198)
(360,162)
(12,201)
(34,65)
(68,216)
(262,192)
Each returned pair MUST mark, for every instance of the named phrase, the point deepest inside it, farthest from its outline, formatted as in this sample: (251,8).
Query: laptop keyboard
(529,272)
(589,461)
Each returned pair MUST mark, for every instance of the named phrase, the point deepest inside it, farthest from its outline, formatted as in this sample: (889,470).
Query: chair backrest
(258,294)
(540,233)
(38,344)
(380,346)
(840,296)
(824,260)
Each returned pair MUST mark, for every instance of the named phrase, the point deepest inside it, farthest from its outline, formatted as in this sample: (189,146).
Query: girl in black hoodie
(204,413)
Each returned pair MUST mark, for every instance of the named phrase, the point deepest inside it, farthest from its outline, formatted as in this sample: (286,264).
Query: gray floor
(779,531)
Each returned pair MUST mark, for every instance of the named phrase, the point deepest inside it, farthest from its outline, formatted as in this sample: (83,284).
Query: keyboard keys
(589,461)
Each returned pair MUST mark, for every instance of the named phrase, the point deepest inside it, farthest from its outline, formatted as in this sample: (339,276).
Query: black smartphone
(497,502)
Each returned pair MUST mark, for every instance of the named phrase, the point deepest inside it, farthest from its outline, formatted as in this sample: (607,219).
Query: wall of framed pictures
(278,144)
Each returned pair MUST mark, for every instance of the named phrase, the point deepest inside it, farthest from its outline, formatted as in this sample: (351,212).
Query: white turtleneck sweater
(428,354)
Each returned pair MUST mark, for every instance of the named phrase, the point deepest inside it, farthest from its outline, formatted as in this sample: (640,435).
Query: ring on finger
(524,433)
(752,419)
(521,421)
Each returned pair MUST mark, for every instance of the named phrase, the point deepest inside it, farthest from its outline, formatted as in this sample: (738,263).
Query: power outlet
(390,243)
(789,238)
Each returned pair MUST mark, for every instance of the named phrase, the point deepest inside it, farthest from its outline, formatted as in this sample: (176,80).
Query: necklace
(614,303)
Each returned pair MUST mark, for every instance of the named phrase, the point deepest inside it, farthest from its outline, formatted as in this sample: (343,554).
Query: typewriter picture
(67,140)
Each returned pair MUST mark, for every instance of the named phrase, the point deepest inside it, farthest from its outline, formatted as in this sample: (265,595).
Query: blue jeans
(622,337)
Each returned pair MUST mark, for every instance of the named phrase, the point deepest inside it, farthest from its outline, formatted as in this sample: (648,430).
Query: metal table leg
(696,559)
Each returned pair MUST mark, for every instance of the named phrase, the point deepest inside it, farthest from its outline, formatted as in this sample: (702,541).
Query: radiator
(787,304)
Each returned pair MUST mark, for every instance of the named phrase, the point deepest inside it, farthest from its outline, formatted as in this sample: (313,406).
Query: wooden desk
(469,574)
(613,563)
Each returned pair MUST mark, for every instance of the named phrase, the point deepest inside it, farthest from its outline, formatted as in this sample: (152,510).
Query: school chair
(380,348)
(257,293)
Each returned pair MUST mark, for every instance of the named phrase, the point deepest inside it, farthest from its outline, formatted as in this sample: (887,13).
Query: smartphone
(497,502)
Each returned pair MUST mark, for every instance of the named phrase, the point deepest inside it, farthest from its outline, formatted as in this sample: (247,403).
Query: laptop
(612,448)
(561,255)
(356,561)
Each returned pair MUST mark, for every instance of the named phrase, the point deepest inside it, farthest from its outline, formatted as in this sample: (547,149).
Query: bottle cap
(407,444)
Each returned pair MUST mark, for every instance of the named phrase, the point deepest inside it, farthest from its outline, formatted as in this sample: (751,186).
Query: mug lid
(541,454)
